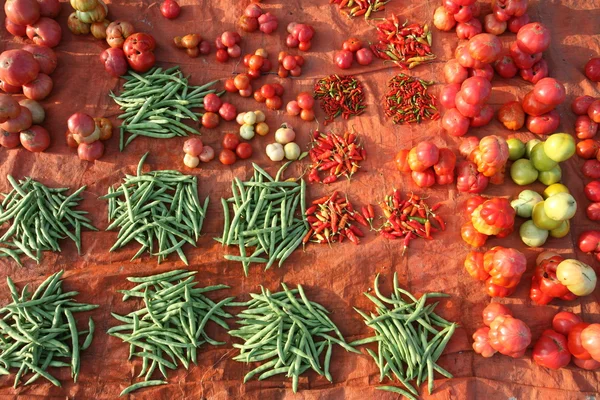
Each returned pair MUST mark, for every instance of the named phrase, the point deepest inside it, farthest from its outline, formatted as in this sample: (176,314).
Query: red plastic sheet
(335,276)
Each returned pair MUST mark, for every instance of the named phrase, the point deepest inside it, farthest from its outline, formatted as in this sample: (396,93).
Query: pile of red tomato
(193,44)
(485,162)
(87,134)
(255,18)
(502,333)
(34,19)
(300,36)
(215,107)
(487,217)
(257,63)
(540,103)
(352,48)
(427,164)
(501,268)
(302,106)
(228,45)
(289,65)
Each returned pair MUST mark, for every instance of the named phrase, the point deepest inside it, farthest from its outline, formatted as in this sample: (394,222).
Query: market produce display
(38,218)
(158,209)
(446,118)
(170,324)
(289,331)
(39,331)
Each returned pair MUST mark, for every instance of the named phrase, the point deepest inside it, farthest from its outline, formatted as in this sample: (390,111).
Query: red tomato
(587,149)
(522,59)
(230,86)
(293,108)
(473,238)
(516,23)
(593,111)
(485,47)
(423,156)
(193,147)
(39,88)
(455,123)
(9,108)
(274,103)
(343,59)
(241,81)
(505,266)
(227,157)
(481,343)
(45,32)
(587,364)
(466,109)
(574,342)
(467,29)
(533,107)
(544,124)
(207,154)
(448,94)
(551,350)
(9,140)
(536,73)
(485,116)
(512,116)
(474,265)
(468,179)
(533,38)
(545,272)
(22,12)
(35,139)
(267,91)
(476,90)
(549,91)
(90,151)
(243,151)
(22,122)
(18,67)
(506,67)
(353,44)
(424,179)
(591,169)
(494,26)
(227,111)
(581,104)
(401,161)
(592,69)
(443,19)
(446,162)
(535,293)
(221,55)
(259,97)
(138,49)
(492,310)
(589,241)
(210,120)
(170,9)
(212,102)
(305,101)
(593,211)
(45,57)
(115,62)
(454,72)
(14,29)
(364,56)
(564,321)
(307,115)
(486,72)
(472,203)
(509,336)
(230,141)
(585,128)
(279,90)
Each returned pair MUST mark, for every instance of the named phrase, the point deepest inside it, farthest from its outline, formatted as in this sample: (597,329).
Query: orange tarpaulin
(335,276)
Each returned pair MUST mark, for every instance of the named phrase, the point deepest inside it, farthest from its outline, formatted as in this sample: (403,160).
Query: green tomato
(550,177)
(540,159)
(524,203)
(560,147)
(523,172)
(516,149)
(531,235)
(247,131)
(530,145)
(560,207)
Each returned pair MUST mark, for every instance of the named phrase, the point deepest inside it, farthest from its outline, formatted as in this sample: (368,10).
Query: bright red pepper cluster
(408,101)
(409,219)
(336,155)
(340,95)
(332,219)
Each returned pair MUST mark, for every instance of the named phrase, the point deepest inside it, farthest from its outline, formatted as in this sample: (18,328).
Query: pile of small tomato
(427,164)
(87,134)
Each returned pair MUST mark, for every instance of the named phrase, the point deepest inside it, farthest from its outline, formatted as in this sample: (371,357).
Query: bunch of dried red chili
(332,219)
(340,95)
(409,219)
(408,101)
(355,8)
(336,155)
(407,46)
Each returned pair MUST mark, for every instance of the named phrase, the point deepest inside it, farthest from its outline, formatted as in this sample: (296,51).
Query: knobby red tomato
(535,293)
(139,50)
(581,104)
(446,162)
(585,128)
(592,69)
(493,310)
(474,265)
(473,238)
(591,169)
(536,73)
(468,29)
(533,38)
(485,47)
(564,321)
(45,32)
(522,59)
(39,88)
(424,179)
(593,211)
(486,72)
(481,343)
(533,107)
(546,275)
(45,57)
(512,115)
(401,161)
(468,179)
(505,266)
(115,61)
(485,116)
(472,203)
(551,350)
(505,67)
(422,156)
(509,336)
(23,121)
(516,23)
(574,342)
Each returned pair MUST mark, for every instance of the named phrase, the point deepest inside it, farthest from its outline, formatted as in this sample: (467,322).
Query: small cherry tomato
(259,97)
(353,44)
(222,55)
(227,111)
(230,86)
(230,141)
(243,151)
(255,62)
(296,71)
(274,103)
(246,92)
(90,151)
(305,101)
(304,46)
(207,154)
(227,157)
(289,63)
(210,120)
(241,81)
(267,91)
(278,89)
(193,147)
(293,108)
(212,102)
(307,115)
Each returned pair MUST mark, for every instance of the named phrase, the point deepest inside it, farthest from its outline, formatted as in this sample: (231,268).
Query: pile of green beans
(170,324)
(268,214)
(39,217)
(408,343)
(38,331)
(288,333)
(155,103)
(157,205)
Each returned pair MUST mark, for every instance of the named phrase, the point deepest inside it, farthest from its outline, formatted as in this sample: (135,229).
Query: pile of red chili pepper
(356,8)
(407,46)
(332,219)
(408,101)
(340,95)
(336,155)
(409,219)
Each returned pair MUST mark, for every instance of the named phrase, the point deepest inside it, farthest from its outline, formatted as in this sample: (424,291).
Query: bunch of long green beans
(157,205)
(170,324)
(155,103)
(402,333)
(38,329)
(265,217)
(39,217)
(290,332)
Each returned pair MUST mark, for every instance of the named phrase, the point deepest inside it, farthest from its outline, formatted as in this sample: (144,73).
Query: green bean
(141,385)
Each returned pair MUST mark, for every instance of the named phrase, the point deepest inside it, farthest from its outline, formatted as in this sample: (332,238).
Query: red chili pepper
(436,207)
(321,200)
(428,229)
(330,179)
(352,237)
(388,235)
(371,211)
(360,219)
(307,236)
(322,227)
(440,222)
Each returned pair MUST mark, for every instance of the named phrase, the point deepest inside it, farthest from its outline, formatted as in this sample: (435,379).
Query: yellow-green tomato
(260,116)
(560,147)
(261,128)
(275,152)
(292,151)
(578,277)
(531,235)
(285,134)
(191,161)
(240,118)
(247,131)
(516,149)
(249,118)
(550,177)
(560,207)
(84,5)
(530,145)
